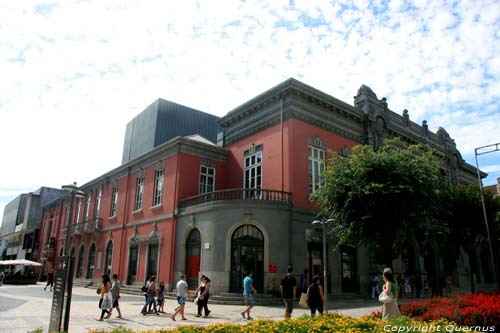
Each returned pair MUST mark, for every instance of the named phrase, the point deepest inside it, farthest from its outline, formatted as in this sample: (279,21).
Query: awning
(21,262)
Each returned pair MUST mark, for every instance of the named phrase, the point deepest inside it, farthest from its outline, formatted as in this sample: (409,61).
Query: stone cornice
(303,103)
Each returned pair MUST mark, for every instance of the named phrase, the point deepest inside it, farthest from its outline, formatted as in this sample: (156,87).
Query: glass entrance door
(247,254)
(152,266)
(132,264)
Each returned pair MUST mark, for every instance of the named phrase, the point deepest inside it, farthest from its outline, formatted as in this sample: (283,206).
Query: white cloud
(73,77)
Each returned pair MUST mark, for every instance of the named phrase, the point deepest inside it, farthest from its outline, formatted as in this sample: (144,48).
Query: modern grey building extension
(21,221)
(164,120)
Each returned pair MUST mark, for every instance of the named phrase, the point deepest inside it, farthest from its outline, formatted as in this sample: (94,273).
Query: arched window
(108,260)
(193,251)
(79,268)
(90,262)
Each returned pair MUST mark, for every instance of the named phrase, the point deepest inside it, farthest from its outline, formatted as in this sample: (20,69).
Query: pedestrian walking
(248,292)
(374,281)
(161,296)
(390,309)
(288,288)
(315,296)
(115,293)
(151,300)
(182,294)
(2,277)
(106,300)
(304,281)
(203,292)
(50,280)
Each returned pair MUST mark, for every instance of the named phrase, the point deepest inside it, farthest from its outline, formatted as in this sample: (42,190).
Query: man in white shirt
(182,294)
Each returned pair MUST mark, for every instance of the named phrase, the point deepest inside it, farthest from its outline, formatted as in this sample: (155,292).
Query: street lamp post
(73,192)
(481,151)
(325,271)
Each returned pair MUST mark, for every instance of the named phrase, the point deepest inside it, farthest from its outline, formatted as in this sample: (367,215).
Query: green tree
(380,198)
(461,211)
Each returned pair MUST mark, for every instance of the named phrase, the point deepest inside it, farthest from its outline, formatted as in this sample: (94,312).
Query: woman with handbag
(106,301)
(315,296)
(389,296)
(203,296)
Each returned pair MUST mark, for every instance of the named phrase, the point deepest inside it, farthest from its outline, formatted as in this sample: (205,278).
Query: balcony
(239,194)
(77,229)
(92,225)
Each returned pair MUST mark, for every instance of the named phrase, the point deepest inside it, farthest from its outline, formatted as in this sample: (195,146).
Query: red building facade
(191,206)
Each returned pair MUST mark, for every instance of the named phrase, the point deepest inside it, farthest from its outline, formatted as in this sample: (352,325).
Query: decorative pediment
(316,142)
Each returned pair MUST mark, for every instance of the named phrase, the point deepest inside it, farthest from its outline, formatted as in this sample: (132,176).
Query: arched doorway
(431,266)
(79,268)
(90,262)
(247,254)
(409,259)
(193,251)
(108,259)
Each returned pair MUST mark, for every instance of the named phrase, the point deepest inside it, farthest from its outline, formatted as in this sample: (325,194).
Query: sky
(74,73)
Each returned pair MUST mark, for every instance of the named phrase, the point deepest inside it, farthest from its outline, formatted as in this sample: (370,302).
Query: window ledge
(112,218)
(157,207)
(137,211)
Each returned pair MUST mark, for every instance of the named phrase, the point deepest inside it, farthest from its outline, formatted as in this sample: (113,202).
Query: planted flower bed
(325,323)
(477,309)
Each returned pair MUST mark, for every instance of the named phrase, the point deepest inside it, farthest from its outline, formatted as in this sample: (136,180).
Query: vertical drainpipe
(174,220)
(124,230)
(290,223)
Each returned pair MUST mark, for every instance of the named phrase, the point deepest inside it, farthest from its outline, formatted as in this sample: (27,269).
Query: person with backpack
(315,296)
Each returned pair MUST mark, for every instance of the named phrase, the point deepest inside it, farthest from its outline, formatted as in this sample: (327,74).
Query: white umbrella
(22,262)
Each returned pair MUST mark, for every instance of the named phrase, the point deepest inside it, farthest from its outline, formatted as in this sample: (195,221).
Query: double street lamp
(325,271)
(67,282)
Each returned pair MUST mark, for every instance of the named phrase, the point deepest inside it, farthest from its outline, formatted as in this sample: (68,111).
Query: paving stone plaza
(26,308)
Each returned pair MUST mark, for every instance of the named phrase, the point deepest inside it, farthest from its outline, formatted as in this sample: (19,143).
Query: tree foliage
(379,198)
(461,210)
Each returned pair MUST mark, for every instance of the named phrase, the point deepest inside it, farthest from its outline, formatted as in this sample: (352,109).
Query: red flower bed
(465,309)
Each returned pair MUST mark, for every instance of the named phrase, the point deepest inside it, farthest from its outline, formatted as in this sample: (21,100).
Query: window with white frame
(114,199)
(207,179)
(87,206)
(139,191)
(316,168)
(158,190)
(253,170)
(98,198)
(78,210)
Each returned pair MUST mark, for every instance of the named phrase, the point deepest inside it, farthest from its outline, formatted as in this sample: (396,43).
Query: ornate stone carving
(425,127)
(406,118)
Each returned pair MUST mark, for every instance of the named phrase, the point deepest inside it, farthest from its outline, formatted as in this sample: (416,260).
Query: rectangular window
(253,174)
(79,208)
(139,191)
(316,168)
(98,198)
(158,190)
(207,179)
(114,200)
(87,206)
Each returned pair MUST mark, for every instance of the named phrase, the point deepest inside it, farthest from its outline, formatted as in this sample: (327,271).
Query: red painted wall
(296,135)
